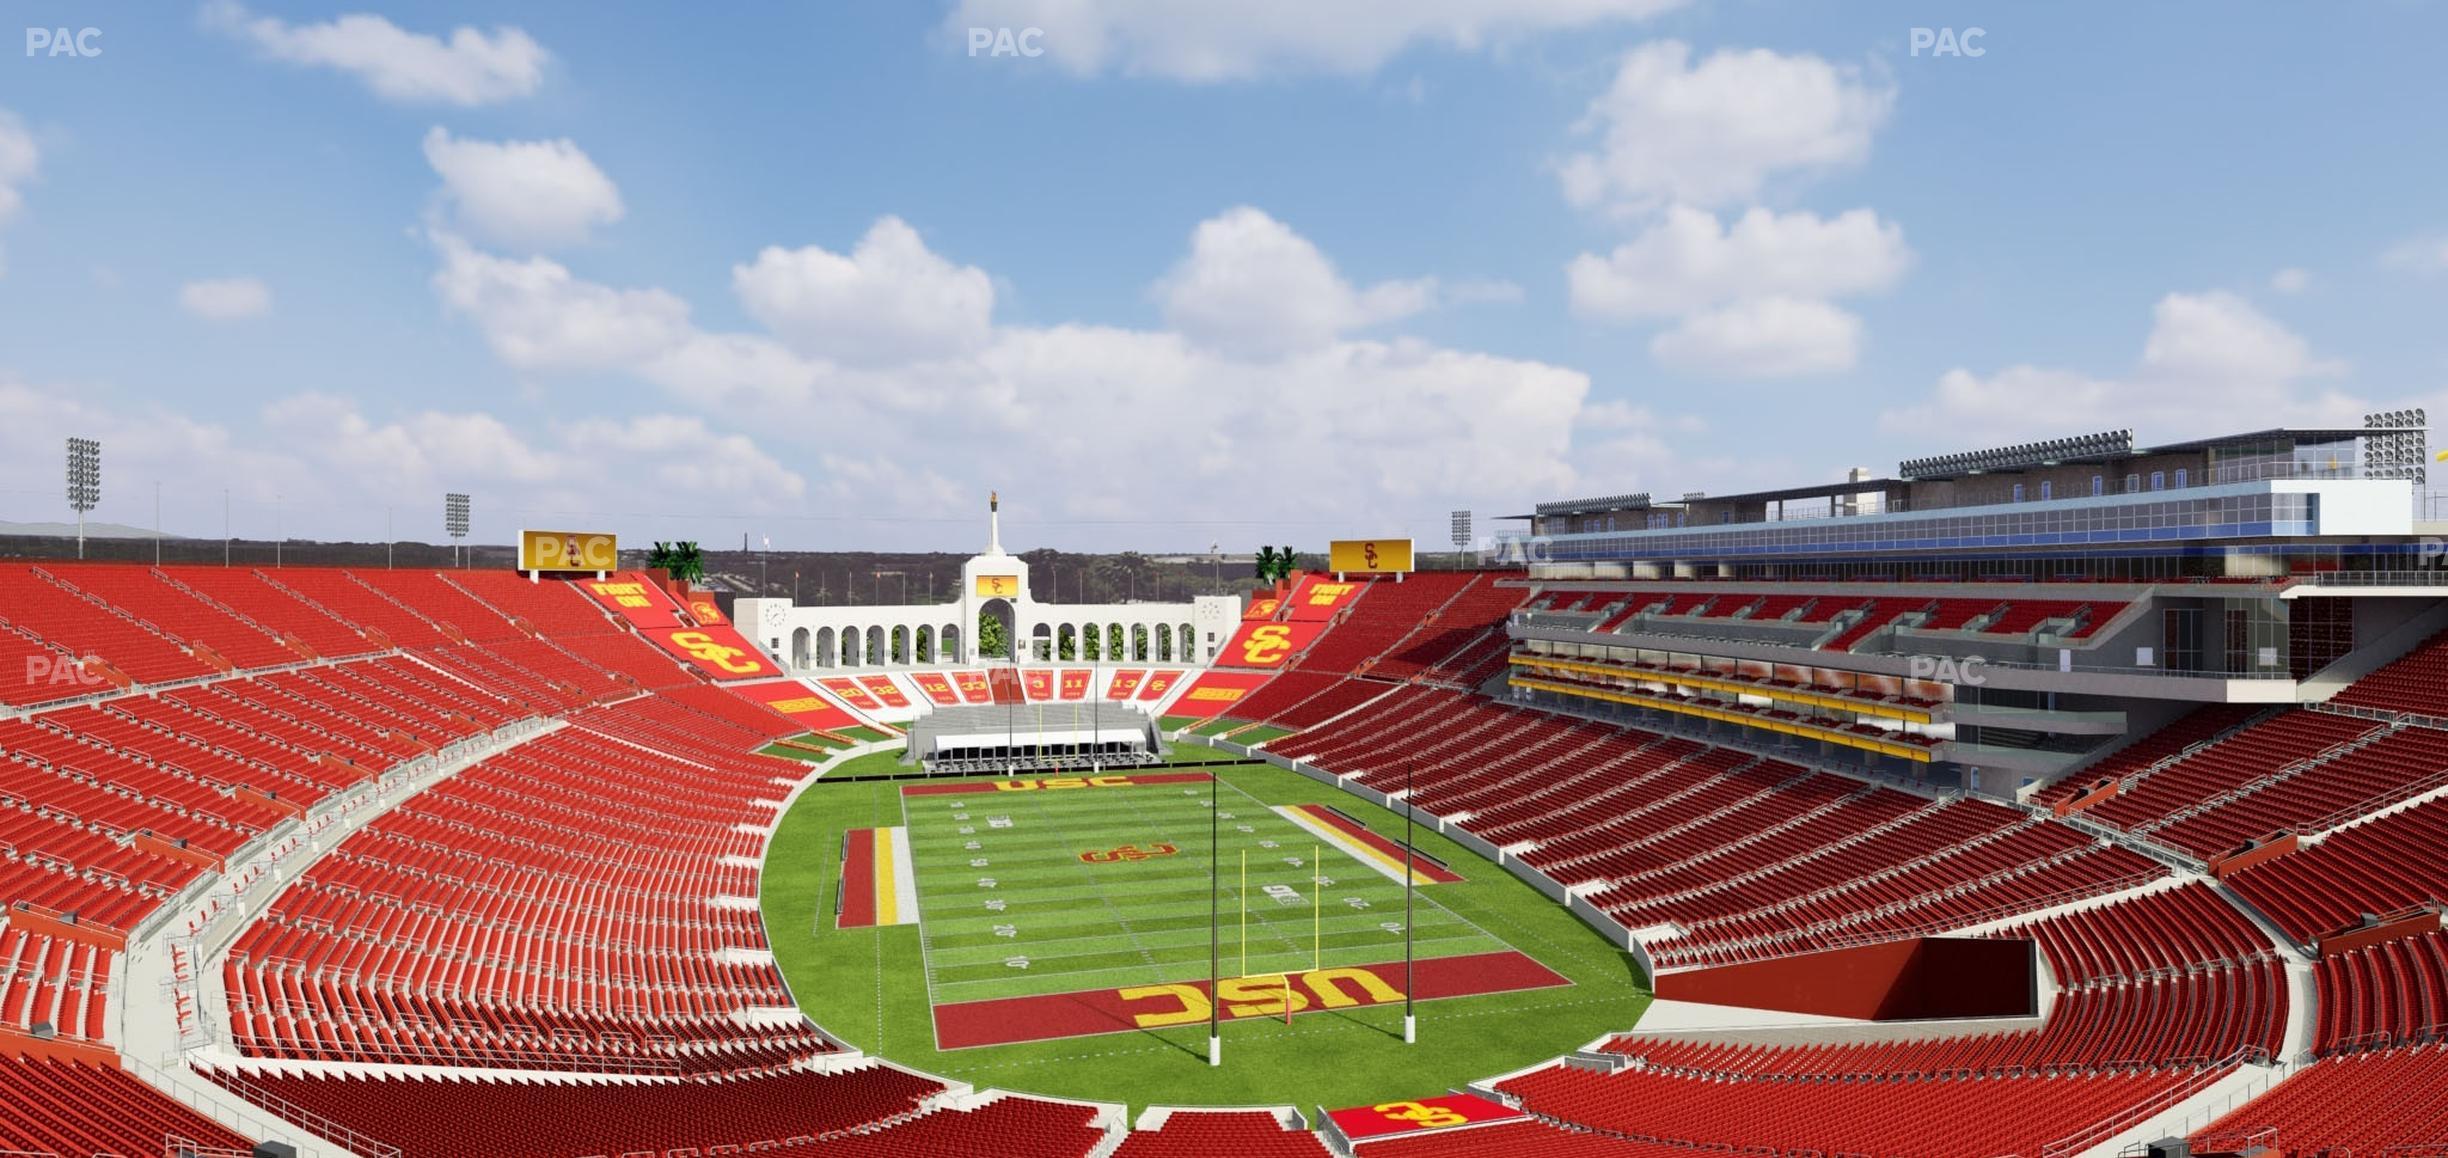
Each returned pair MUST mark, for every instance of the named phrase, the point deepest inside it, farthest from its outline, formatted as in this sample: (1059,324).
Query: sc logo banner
(63,42)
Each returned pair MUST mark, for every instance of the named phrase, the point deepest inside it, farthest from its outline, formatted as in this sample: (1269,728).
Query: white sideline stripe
(1343,842)
(894,845)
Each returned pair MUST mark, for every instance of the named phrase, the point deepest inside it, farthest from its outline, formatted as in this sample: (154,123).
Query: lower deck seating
(2377,866)
(2385,1102)
(1527,1136)
(54,1106)
(441,1116)
(49,981)
(2392,993)
(1987,1115)
(1193,1134)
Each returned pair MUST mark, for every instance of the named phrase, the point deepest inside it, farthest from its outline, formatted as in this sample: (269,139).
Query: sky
(1168,275)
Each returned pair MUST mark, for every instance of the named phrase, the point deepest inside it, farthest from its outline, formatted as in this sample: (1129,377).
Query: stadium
(1223,579)
(2079,797)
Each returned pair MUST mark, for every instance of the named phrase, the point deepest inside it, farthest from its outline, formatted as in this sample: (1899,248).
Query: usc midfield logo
(1126,853)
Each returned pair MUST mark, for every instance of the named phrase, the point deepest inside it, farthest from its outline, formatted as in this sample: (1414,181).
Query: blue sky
(1194,274)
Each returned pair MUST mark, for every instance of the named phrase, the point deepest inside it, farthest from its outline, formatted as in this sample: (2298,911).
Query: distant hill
(68,530)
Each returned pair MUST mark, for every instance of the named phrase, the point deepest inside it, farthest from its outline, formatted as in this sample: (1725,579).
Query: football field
(1095,886)
(1053,935)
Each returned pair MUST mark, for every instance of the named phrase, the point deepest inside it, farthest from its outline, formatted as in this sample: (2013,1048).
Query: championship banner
(634,598)
(1125,681)
(998,587)
(1369,556)
(1319,598)
(1388,1119)
(1268,645)
(1216,692)
(1158,683)
(717,651)
(973,686)
(1263,607)
(851,693)
(886,691)
(568,551)
(1038,684)
(936,687)
(806,708)
(1075,683)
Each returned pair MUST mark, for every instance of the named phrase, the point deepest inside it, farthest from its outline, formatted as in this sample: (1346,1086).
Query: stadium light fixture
(84,482)
(455,522)
(1461,534)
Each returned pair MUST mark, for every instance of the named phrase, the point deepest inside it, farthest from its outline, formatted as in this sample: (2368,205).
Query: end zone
(1089,1013)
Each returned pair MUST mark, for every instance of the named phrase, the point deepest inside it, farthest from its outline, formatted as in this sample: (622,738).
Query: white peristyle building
(994,584)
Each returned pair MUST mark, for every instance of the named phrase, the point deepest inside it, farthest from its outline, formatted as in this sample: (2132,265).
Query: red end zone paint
(1422,864)
(856,908)
(1053,783)
(1003,1021)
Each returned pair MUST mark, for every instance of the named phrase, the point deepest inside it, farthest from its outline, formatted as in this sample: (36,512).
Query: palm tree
(682,560)
(1275,563)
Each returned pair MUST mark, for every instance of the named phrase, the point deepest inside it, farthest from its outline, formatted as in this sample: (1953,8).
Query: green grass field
(1084,926)
(1053,923)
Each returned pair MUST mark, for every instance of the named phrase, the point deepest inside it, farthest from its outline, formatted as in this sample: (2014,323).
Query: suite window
(2158,480)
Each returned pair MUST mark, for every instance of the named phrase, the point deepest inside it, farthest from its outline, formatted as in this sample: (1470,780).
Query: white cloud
(1238,41)
(333,468)
(471,68)
(18,161)
(524,194)
(1093,423)
(229,299)
(1252,286)
(1716,132)
(2212,364)
(2291,280)
(1688,262)
(2217,337)
(890,300)
(538,316)
(1769,337)
(2426,254)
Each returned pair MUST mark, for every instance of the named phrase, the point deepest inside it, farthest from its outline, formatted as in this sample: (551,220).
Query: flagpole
(1215,949)
(1410,1022)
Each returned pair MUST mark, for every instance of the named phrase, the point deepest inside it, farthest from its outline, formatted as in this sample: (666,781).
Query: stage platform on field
(1000,738)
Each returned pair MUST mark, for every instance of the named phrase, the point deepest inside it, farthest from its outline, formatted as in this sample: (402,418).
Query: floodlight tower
(84,482)
(455,521)
(1461,534)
